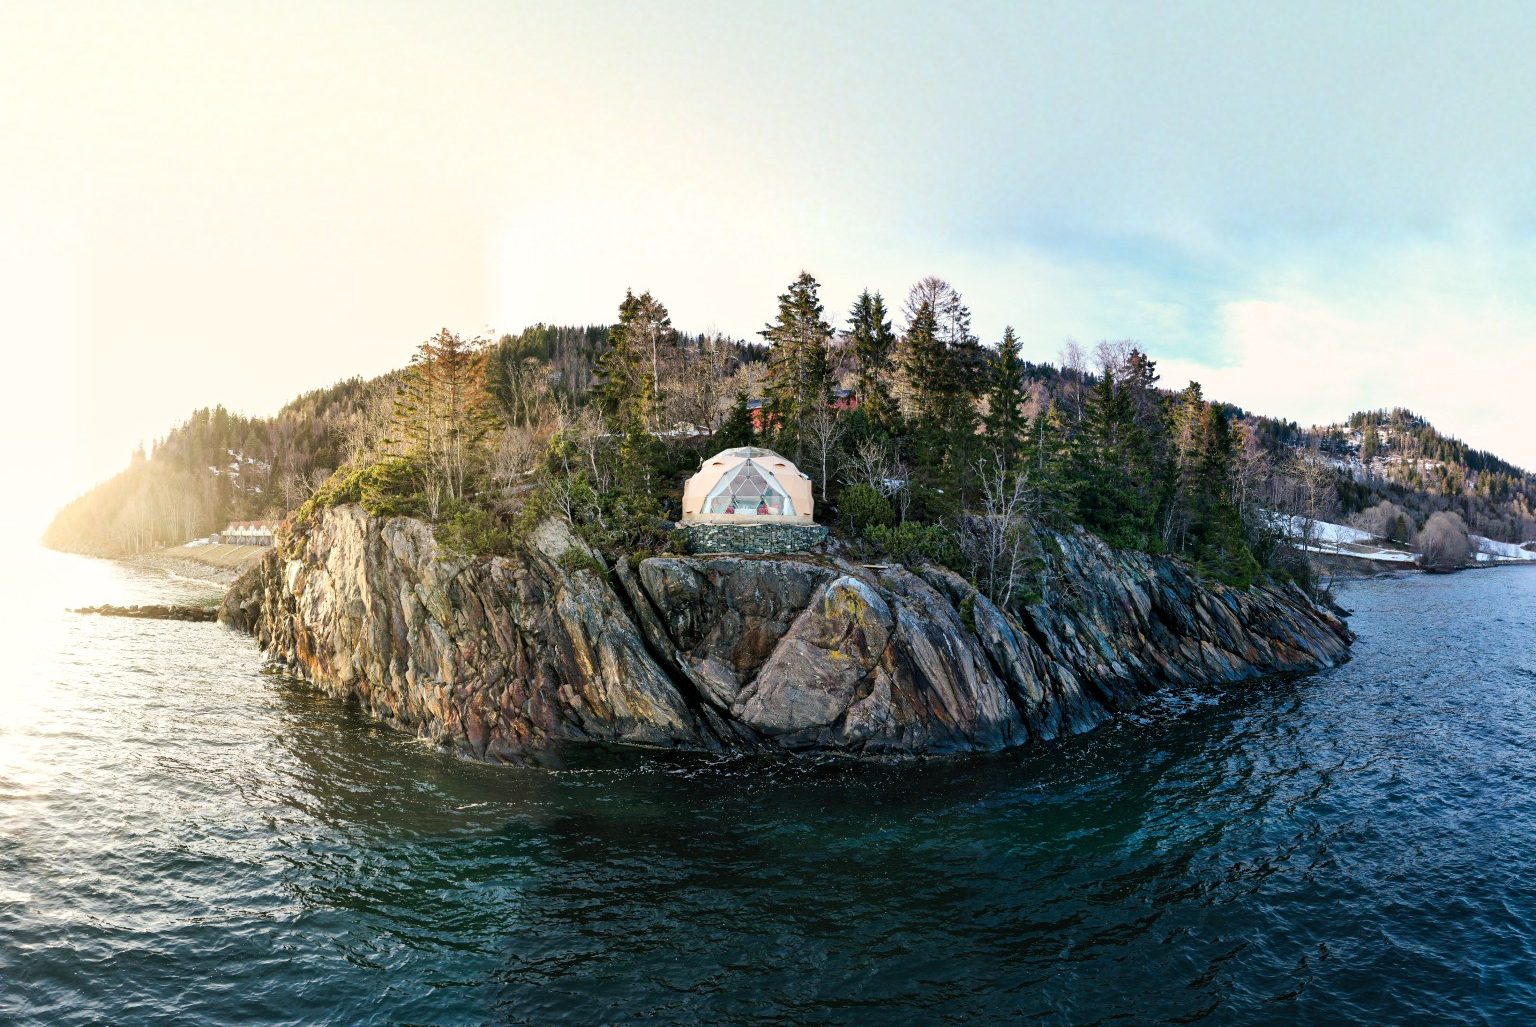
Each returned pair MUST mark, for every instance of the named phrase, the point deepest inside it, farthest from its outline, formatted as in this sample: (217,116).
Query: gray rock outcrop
(503,657)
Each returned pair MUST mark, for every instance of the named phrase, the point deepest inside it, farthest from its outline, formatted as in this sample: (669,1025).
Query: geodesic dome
(745,485)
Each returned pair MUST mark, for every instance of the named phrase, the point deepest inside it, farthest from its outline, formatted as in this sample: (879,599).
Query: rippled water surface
(184,840)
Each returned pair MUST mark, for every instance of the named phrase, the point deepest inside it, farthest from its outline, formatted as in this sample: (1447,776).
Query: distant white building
(247,533)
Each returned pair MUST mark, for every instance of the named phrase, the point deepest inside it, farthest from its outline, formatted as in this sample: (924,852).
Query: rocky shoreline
(153,611)
(502,658)
(216,565)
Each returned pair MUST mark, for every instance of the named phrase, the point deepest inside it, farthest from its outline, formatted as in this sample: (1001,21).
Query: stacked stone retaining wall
(753,538)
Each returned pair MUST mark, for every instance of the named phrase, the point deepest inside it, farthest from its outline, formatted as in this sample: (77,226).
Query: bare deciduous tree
(1074,365)
(1251,473)
(997,541)
(365,435)
(1443,542)
(1314,488)
(516,456)
(1113,357)
(1385,520)
(824,429)
(876,464)
(525,389)
(696,392)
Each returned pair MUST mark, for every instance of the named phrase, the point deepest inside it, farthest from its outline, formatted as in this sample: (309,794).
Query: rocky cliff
(502,657)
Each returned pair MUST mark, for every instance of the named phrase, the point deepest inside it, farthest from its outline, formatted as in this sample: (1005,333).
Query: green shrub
(343,486)
(389,488)
(862,507)
(474,531)
(913,542)
(386,488)
(575,558)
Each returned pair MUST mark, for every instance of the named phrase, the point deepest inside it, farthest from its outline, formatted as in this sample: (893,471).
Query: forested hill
(1400,457)
(943,436)
(219,466)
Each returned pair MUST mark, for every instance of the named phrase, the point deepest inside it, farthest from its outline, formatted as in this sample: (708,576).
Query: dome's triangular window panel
(749,491)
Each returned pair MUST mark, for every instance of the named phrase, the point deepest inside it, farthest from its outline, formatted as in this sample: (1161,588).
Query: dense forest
(941,447)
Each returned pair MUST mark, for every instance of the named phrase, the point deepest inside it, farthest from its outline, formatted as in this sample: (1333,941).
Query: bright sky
(1314,208)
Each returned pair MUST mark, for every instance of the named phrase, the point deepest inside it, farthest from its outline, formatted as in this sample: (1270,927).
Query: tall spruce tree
(943,425)
(799,372)
(442,415)
(952,322)
(629,370)
(621,391)
(1005,422)
(1115,461)
(928,370)
(869,329)
(1052,472)
(1204,520)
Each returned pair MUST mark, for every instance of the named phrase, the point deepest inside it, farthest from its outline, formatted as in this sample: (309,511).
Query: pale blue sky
(1312,207)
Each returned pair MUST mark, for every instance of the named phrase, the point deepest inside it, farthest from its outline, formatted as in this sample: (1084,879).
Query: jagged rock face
(504,657)
(495,657)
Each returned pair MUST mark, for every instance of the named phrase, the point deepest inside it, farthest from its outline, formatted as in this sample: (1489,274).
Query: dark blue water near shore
(186,841)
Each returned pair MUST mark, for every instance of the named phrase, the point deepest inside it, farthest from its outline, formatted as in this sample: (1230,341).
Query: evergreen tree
(1370,442)
(621,392)
(943,427)
(1115,460)
(629,369)
(873,341)
(799,373)
(1050,456)
(738,429)
(928,370)
(442,416)
(1204,520)
(1005,422)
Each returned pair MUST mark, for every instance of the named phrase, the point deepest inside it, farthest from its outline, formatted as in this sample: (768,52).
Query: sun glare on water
(40,638)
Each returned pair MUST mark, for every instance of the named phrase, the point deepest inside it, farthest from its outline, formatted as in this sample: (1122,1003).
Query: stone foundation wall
(753,538)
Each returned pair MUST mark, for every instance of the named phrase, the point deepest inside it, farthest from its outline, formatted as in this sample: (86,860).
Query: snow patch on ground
(1487,547)
(1342,540)
(1322,531)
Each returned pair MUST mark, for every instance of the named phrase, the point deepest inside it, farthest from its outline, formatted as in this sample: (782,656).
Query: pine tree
(1203,519)
(799,373)
(621,393)
(1050,456)
(1370,442)
(943,423)
(1115,461)
(873,342)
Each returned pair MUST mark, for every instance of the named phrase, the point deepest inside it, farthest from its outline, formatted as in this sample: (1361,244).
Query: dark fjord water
(186,841)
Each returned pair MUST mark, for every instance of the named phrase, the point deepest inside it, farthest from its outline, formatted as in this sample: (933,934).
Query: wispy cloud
(1446,328)
(1272,197)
